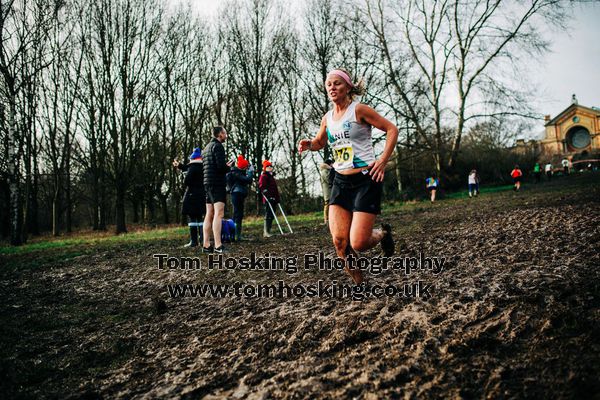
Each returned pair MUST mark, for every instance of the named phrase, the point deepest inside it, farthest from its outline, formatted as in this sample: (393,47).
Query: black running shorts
(215,194)
(356,192)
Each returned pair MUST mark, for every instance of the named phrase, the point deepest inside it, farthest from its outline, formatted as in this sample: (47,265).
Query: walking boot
(193,237)
(267,228)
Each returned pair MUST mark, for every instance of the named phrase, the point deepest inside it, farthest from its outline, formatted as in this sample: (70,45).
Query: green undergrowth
(482,190)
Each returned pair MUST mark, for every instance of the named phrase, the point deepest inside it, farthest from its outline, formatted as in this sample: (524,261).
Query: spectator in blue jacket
(194,204)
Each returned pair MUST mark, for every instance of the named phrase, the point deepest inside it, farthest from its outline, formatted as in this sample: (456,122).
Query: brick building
(573,133)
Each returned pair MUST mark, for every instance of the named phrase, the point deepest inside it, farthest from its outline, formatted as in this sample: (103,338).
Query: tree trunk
(134,208)
(165,208)
(95,204)
(102,207)
(34,228)
(177,208)
(120,209)
(151,210)
(30,219)
(398,171)
(56,208)
(456,142)
(68,203)
(16,200)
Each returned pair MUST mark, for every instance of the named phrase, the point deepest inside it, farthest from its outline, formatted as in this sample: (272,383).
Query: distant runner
(565,164)
(432,184)
(516,174)
(537,172)
(549,171)
(473,183)
(358,183)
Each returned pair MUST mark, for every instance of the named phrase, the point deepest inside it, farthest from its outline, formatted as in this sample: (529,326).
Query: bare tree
(256,37)
(197,77)
(296,112)
(59,94)
(485,34)
(125,33)
(438,66)
(320,52)
(24,26)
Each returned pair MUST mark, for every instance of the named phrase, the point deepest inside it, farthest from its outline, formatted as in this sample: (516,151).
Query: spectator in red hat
(238,181)
(268,187)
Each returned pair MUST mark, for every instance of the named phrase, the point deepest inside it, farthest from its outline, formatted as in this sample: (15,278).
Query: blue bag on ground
(228,231)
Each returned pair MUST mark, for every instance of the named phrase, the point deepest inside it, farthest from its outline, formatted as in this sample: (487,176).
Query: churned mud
(514,313)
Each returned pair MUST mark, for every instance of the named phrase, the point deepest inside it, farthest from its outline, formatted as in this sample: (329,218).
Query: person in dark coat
(215,168)
(194,198)
(239,179)
(268,187)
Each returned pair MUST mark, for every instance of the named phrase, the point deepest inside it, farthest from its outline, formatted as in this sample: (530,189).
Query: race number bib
(343,155)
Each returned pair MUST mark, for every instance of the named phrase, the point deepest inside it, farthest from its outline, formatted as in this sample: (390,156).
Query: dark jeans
(237,199)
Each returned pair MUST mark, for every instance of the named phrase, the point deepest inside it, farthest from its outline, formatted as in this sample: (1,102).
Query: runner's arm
(369,116)
(319,141)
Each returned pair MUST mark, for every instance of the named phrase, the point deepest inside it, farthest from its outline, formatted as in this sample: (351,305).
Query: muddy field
(514,314)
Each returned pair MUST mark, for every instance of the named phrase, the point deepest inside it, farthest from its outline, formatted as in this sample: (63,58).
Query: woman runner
(356,193)
(432,184)
(516,174)
(473,183)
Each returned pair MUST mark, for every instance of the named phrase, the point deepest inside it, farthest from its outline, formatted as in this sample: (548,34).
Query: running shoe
(387,241)
(208,250)
(220,249)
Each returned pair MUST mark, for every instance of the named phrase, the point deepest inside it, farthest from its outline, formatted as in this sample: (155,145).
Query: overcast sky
(573,66)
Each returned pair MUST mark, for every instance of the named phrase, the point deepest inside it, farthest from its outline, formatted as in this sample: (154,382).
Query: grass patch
(92,240)
(175,233)
(484,190)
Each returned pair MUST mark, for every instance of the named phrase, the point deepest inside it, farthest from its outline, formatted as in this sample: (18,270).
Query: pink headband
(342,75)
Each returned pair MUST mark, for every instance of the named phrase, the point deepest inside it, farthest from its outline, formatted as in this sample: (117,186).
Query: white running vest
(350,140)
